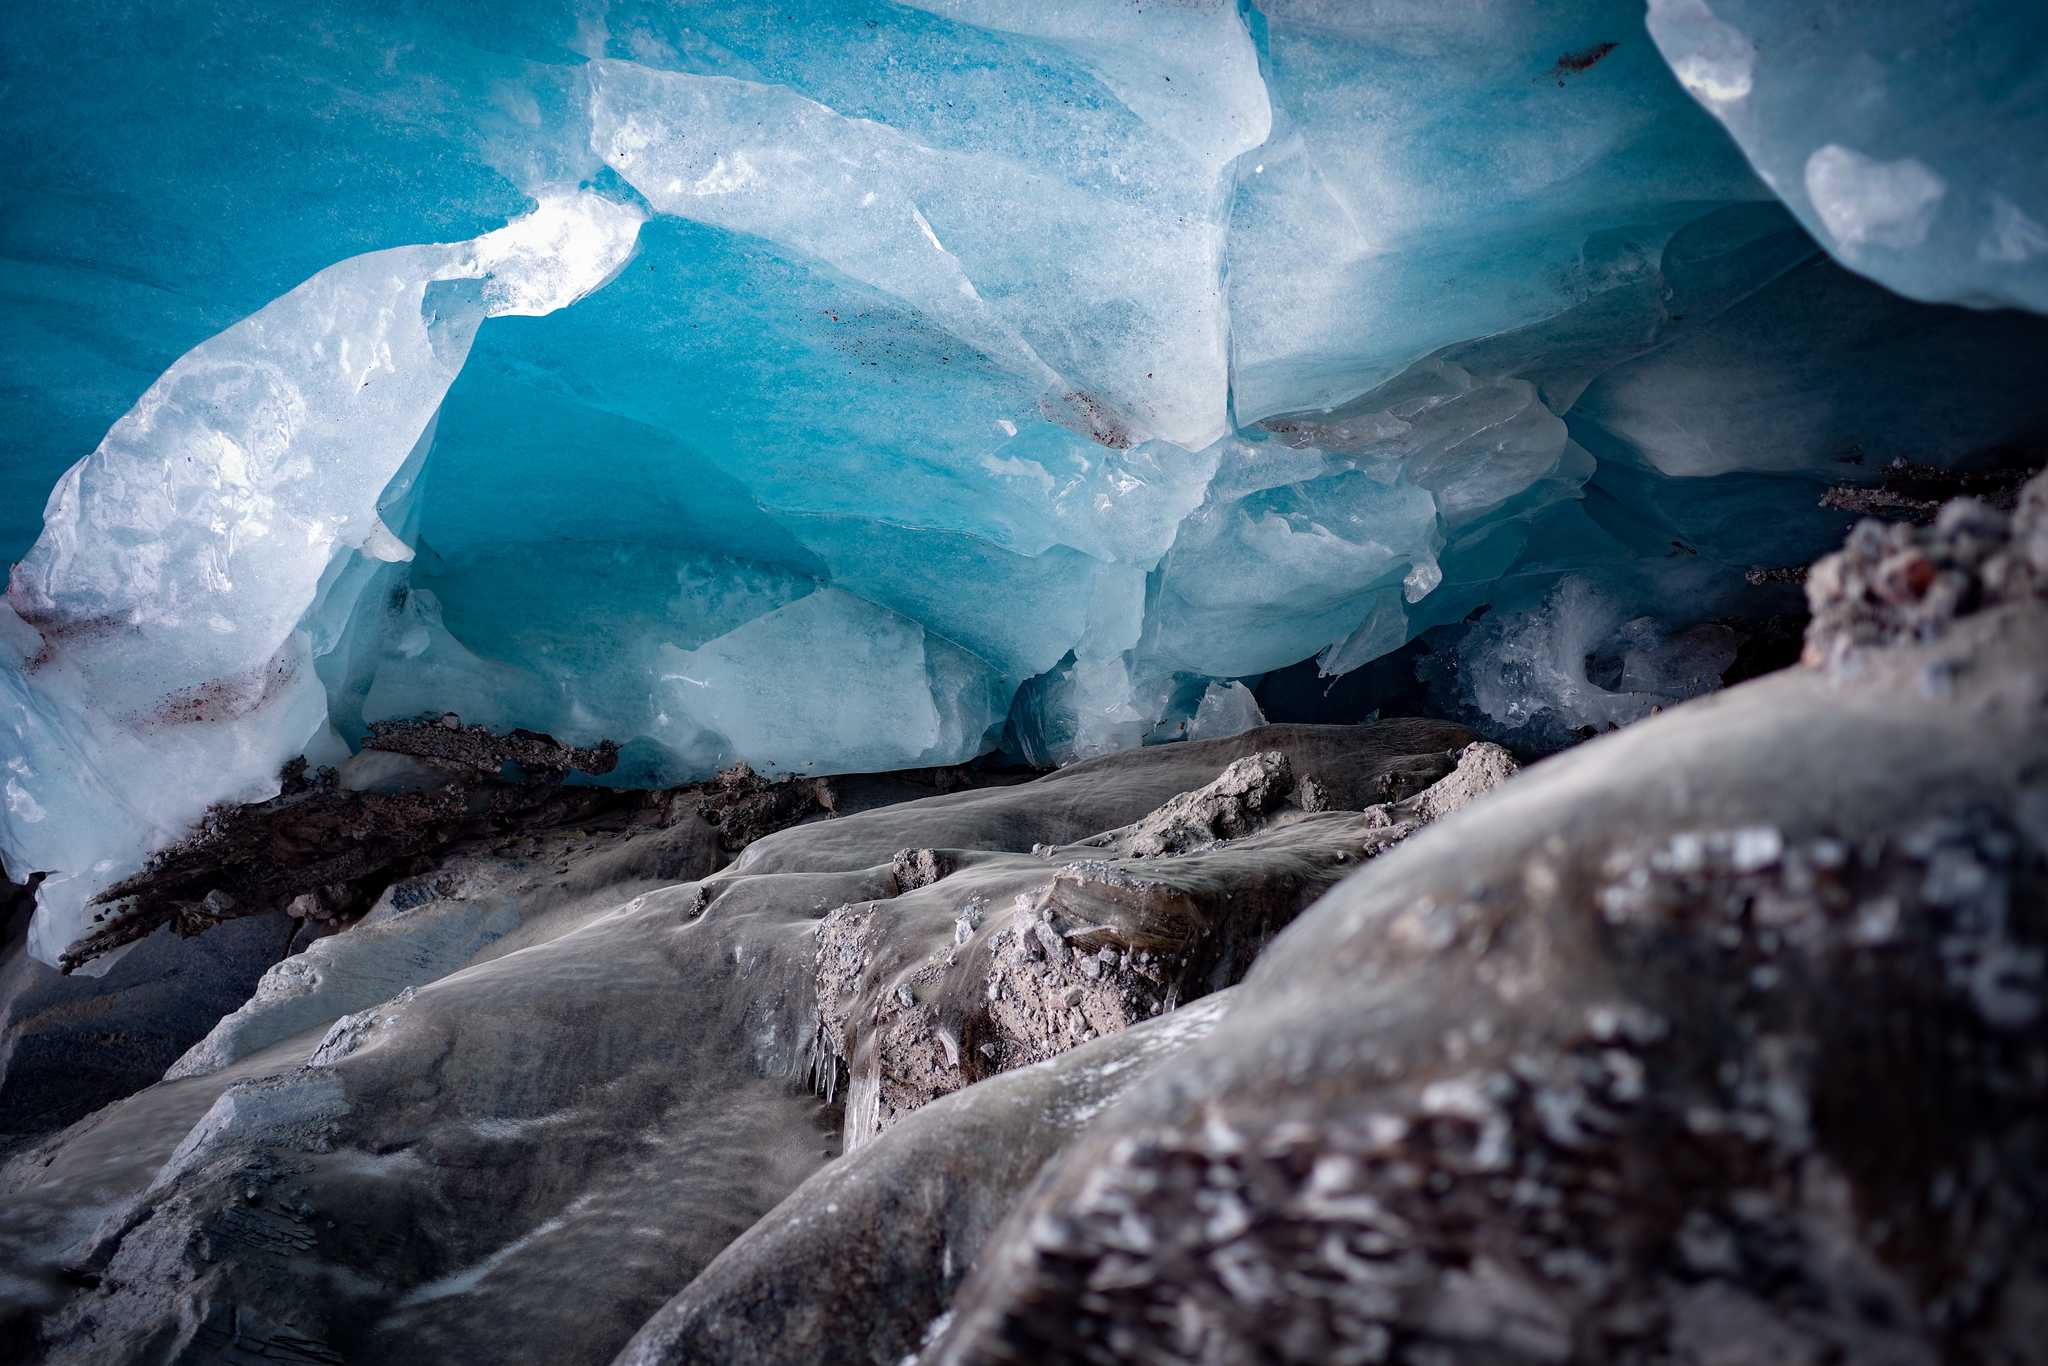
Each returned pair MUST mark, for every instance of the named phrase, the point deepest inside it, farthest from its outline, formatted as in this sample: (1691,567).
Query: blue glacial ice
(162,633)
(1924,172)
(876,390)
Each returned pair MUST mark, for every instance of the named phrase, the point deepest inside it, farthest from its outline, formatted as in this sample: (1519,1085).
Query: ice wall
(162,632)
(938,375)
(1911,139)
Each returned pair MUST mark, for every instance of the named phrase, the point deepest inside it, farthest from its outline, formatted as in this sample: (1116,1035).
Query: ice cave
(943,681)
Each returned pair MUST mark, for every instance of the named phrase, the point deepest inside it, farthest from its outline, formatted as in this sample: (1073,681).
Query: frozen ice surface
(901,697)
(1226,709)
(1443,172)
(1575,661)
(187,569)
(878,388)
(1107,298)
(1911,139)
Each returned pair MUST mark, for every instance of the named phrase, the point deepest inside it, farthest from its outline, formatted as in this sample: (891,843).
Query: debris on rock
(329,844)
(1735,1154)
(1126,926)
(1482,766)
(1906,492)
(745,806)
(1231,806)
(487,753)
(915,868)
(1907,582)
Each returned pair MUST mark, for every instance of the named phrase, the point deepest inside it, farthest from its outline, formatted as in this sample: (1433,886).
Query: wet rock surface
(327,844)
(542,1083)
(69,1045)
(336,840)
(861,1261)
(1032,956)
(1666,1054)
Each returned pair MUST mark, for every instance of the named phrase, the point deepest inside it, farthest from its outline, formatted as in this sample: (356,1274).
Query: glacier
(1855,117)
(929,378)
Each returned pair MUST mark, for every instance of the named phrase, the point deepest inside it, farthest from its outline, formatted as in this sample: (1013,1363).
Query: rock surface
(522,1105)
(999,962)
(331,840)
(69,1045)
(1905,582)
(1671,1052)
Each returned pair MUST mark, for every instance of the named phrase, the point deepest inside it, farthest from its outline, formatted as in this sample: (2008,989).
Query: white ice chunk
(832,682)
(1226,709)
(1865,202)
(1713,60)
(568,246)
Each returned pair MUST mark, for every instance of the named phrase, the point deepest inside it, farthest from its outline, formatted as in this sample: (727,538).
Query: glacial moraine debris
(329,844)
(1905,582)
(1906,492)
(745,806)
(1121,927)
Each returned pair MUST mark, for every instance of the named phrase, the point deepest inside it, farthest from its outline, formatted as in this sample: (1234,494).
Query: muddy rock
(329,845)
(1235,804)
(486,753)
(70,1044)
(915,868)
(1481,767)
(1905,492)
(745,806)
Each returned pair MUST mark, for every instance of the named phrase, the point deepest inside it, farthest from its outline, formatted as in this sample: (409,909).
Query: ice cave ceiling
(872,388)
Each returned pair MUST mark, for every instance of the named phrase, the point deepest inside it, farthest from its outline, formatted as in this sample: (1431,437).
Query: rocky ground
(1719,1039)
